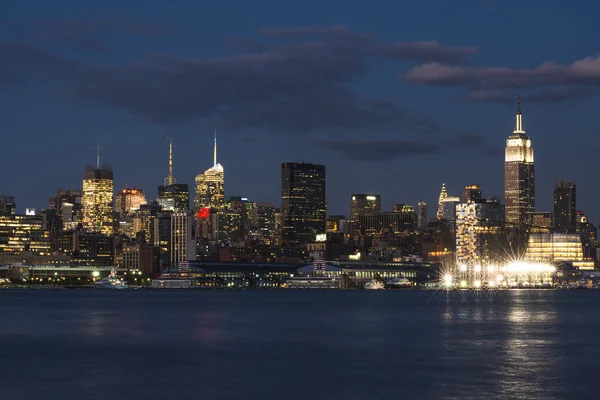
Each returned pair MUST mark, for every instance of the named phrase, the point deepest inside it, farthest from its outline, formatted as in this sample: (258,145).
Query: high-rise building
(565,207)
(421,215)
(362,204)
(173,196)
(443,195)
(144,220)
(97,198)
(303,202)
(266,221)
(69,209)
(7,205)
(387,222)
(129,200)
(519,176)
(541,222)
(588,233)
(182,243)
(20,233)
(210,186)
(472,194)
(479,232)
(449,208)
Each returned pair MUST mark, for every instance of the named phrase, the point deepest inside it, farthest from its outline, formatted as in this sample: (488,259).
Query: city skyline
(466,137)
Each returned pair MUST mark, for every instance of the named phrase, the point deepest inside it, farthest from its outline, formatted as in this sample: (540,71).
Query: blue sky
(393,97)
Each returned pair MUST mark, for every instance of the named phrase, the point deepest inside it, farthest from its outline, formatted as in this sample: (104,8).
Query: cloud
(291,81)
(548,82)
(91,35)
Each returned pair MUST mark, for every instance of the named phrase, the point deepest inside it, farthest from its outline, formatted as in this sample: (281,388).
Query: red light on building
(204,213)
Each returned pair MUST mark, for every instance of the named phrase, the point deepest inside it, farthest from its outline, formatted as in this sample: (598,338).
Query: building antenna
(98,153)
(518,96)
(170,179)
(215,151)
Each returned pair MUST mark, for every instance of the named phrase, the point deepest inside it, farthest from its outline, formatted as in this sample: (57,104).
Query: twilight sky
(393,97)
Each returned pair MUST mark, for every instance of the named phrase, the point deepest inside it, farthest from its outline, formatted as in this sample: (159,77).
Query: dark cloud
(21,62)
(389,149)
(548,82)
(290,81)
(378,150)
(92,35)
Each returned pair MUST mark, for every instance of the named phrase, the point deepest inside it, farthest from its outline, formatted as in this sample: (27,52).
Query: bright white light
(463,267)
(491,268)
(499,278)
(491,283)
(95,274)
(448,280)
(477,268)
(527,267)
(477,284)
(463,283)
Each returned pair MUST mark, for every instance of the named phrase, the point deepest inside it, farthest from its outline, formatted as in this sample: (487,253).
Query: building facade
(479,233)
(472,194)
(129,200)
(183,242)
(565,207)
(362,204)
(303,202)
(97,199)
(519,176)
(421,215)
(210,186)
(442,197)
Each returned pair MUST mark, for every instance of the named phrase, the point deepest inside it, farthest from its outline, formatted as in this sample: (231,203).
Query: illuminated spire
(170,179)
(519,116)
(98,153)
(215,151)
(443,196)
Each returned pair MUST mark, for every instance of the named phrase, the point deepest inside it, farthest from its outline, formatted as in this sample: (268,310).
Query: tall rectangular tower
(565,212)
(303,203)
(519,176)
(97,198)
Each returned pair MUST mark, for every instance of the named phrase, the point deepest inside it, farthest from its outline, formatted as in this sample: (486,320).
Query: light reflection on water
(298,344)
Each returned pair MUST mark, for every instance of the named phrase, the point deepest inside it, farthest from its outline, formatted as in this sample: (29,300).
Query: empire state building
(519,176)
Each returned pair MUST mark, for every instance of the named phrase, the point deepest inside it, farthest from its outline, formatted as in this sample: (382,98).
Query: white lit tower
(519,176)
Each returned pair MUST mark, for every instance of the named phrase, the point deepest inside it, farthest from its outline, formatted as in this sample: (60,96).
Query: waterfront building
(173,196)
(443,196)
(23,233)
(472,194)
(519,176)
(557,247)
(266,221)
(183,242)
(227,226)
(85,248)
(421,215)
(210,186)
(143,258)
(479,233)
(130,200)
(97,198)
(565,211)
(303,202)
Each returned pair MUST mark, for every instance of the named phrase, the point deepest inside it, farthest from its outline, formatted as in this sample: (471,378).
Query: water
(203,344)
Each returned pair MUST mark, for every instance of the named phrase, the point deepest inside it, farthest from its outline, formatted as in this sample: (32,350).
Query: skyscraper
(362,204)
(472,194)
(97,197)
(565,211)
(129,200)
(303,203)
(443,195)
(519,176)
(421,215)
(173,196)
(182,243)
(69,209)
(210,186)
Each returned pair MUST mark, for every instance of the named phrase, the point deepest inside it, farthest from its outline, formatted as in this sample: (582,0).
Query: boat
(111,282)
(374,285)
(399,283)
